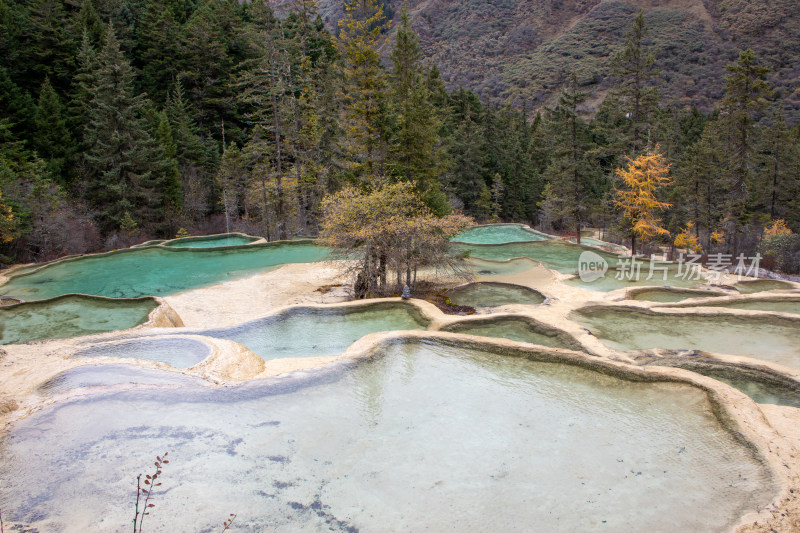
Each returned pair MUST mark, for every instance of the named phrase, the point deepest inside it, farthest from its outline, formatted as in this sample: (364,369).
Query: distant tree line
(124,120)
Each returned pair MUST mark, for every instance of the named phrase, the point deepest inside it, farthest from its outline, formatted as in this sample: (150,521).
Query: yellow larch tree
(636,194)
(7,222)
(688,238)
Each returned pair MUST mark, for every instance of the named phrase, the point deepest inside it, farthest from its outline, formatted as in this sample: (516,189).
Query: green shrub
(782,251)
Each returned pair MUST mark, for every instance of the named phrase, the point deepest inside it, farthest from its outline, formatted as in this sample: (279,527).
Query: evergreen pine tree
(572,177)
(782,172)
(53,141)
(157,50)
(634,96)
(196,158)
(468,182)
(126,171)
(415,149)
(266,89)
(88,21)
(746,93)
(211,46)
(365,107)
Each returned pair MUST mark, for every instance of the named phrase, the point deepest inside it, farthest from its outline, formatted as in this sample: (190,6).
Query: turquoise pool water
(487,294)
(155,271)
(70,316)
(674,295)
(318,332)
(558,255)
(761,388)
(214,241)
(761,285)
(180,353)
(626,329)
(107,375)
(425,437)
(499,233)
(563,256)
(484,268)
(781,306)
(515,329)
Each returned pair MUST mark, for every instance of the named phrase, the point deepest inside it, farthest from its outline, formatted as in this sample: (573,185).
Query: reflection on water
(425,437)
(105,375)
(317,332)
(180,353)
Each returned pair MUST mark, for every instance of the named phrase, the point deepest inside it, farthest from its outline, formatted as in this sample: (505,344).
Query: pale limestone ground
(237,301)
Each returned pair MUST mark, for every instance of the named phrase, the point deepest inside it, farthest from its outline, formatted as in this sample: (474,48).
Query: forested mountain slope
(524,50)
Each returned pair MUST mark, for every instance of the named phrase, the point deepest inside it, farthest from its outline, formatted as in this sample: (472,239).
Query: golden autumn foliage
(7,222)
(636,196)
(778,227)
(687,238)
(388,230)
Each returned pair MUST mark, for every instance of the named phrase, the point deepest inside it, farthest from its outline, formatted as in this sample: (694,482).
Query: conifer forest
(128,120)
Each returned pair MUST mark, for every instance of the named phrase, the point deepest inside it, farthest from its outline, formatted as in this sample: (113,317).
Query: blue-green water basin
(517,329)
(671,295)
(772,339)
(492,294)
(311,332)
(177,352)
(423,437)
(760,304)
(213,241)
(155,271)
(563,257)
(70,316)
(499,233)
(762,285)
(108,375)
(760,386)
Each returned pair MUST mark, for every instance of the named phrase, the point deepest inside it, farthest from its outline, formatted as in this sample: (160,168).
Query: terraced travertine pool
(499,233)
(488,294)
(155,271)
(442,432)
(563,257)
(177,352)
(516,329)
(760,304)
(424,436)
(771,339)
(109,375)
(70,316)
(672,295)
(214,241)
(318,332)
(762,285)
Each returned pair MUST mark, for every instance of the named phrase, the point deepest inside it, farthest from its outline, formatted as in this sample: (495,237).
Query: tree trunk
(382,270)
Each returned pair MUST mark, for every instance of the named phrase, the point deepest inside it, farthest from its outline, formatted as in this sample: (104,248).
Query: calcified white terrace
(493,427)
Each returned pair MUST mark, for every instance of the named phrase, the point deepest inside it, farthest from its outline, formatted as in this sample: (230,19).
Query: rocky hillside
(522,50)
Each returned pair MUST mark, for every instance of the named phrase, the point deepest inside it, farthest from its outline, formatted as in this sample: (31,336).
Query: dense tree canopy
(127,121)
